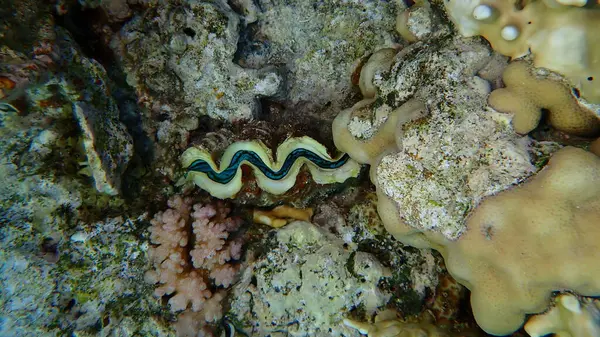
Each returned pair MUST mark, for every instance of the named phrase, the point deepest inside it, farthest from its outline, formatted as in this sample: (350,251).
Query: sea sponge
(526,96)
(525,243)
(561,38)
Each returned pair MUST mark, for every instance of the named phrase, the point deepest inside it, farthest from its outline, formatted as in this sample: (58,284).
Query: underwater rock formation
(304,286)
(83,81)
(318,45)
(435,175)
(179,58)
(435,168)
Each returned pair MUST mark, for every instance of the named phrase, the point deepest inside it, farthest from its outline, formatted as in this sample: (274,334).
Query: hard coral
(527,96)
(208,250)
(525,243)
(570,317)
(561,38)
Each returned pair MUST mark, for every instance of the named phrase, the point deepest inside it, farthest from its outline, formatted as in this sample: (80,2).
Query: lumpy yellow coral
(525,243)
(365,149)
(570,317)
(527,96)
(562,38)
(529,241)
(379,62)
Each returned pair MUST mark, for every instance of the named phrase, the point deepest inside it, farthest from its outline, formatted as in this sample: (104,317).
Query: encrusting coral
(379,62)
(504,257)
(526,96)
(363,149)
(187,267)
(562,38)
(436,153)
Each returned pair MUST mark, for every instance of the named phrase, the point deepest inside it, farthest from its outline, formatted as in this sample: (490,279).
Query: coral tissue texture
(560,36)
(571,316)
(526,242)
(527,96)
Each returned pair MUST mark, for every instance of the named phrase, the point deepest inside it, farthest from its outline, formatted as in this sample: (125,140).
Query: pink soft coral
(210,255)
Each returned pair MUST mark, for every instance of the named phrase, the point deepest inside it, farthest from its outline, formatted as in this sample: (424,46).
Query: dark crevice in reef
(80,23)
(84,26)
(250,43)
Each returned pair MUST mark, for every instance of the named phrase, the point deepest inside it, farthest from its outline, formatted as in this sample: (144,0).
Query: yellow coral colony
(562,38)
(568,318)
(274,176)
(525,96)
(525,243)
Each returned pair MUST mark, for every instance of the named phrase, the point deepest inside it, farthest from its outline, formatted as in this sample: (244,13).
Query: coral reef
(429,177)
(57,93)
(526,96)
(99,100)
(303,285)
(570,317)
(179,57)
(435,170)
(491,230)
(509,268)
(560,36)
(274,176)
(74,279)
(318,45)
(192,268)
